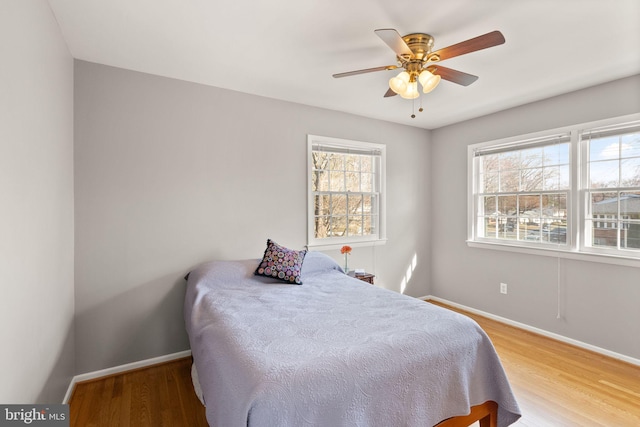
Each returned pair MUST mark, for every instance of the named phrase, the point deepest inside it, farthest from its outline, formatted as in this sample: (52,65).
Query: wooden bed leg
(491,419)
(486,414)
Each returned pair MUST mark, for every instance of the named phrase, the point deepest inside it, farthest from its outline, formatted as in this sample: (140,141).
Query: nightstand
(365,277)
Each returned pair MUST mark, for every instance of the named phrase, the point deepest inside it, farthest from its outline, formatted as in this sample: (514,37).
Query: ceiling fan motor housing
(420,44)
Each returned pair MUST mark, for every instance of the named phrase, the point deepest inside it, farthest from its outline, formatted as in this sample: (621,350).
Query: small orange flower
(346,249)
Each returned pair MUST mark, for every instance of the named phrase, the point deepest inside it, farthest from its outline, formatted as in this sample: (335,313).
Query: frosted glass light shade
(411,92)
(398,84)
(428,81)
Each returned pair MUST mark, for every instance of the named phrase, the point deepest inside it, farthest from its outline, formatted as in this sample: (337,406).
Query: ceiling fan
(414,54)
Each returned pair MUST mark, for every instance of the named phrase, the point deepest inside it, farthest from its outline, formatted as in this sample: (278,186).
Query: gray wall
(170,174)
(36,206)
(599,302)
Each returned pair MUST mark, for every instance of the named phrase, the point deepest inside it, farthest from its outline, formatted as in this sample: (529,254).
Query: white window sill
(334,245)
(559,253)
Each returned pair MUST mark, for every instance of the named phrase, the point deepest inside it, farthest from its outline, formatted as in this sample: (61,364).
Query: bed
(335,351)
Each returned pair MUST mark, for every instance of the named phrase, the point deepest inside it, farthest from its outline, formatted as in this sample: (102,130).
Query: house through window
(612,220)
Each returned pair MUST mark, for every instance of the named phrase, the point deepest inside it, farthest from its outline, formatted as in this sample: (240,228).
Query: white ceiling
(289,49)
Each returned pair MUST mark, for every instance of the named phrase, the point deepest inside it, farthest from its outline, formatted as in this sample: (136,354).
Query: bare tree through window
(345,187)
(523,192)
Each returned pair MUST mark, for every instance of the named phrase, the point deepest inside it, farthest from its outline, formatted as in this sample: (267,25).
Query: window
(523,191)
(346,191)
(612,188)
(572,190)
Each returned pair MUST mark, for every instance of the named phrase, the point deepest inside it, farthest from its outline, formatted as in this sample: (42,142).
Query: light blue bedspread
(332,352)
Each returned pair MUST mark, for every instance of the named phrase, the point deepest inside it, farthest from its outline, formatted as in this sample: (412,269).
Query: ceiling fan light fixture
(399,83)
(428,81)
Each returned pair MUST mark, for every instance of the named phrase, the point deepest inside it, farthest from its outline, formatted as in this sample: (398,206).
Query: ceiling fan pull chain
(413,108)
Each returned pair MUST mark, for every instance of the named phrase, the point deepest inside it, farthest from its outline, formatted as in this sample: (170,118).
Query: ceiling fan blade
(394,41)
(366,70)
(452,75)
(484,41)
(389,93)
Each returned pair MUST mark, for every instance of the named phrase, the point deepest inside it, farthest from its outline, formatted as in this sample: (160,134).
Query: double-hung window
(573,190)
(523,191)
(346,191)
(612,189)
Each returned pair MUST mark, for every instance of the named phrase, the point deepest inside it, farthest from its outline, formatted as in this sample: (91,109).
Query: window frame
(521,145)
(337,242)
(616,129)
(577,201)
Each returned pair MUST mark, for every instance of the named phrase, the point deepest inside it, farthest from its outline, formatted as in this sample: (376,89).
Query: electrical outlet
(503,288)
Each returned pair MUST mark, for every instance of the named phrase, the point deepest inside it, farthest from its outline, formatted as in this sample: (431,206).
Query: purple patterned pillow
(281,263)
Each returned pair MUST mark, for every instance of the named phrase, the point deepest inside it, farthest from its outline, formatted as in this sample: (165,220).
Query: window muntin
(346,191)
(522,192)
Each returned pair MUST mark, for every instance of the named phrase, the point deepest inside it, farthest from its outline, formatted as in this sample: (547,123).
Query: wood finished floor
(160,395)
(556,385)
(560,385)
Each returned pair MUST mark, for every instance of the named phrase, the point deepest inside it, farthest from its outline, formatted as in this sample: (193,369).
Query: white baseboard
(122,368)
(538,331)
